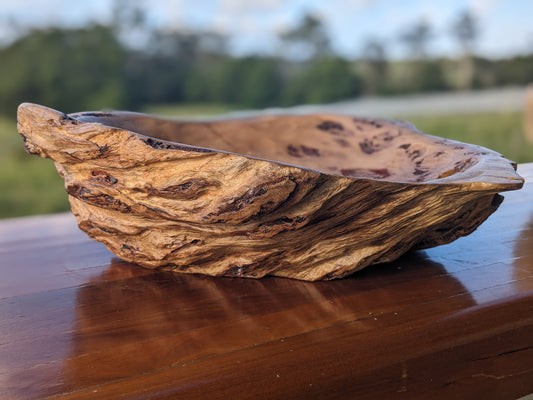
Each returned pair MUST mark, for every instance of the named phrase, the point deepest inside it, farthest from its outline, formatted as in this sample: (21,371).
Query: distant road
(491,100)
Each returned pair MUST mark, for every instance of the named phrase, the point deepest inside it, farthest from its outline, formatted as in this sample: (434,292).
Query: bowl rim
(492,172)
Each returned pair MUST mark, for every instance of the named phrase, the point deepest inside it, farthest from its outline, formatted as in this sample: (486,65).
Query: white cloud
(481,8)
(240,5)
(169,13)
(251,23)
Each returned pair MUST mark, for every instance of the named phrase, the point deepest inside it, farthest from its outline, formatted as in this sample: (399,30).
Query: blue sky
(253,25)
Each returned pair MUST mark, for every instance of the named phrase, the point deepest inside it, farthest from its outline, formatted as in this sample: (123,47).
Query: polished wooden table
(452,322)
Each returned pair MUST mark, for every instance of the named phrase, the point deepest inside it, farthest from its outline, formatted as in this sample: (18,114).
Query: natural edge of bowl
(229,244)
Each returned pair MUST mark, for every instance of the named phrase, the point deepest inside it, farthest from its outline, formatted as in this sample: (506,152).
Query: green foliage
(416,38)
(261,82)
(90,68)
(85,69)
(70,70)
(466,30)
(247,82)
(308,40)
(516,70)
(374,67)
(431,77)
(322,81)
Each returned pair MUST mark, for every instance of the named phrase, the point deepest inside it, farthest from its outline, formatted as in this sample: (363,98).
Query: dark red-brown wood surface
(452,322)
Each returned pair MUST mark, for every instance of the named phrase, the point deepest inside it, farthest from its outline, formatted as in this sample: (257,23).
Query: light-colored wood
(306,197)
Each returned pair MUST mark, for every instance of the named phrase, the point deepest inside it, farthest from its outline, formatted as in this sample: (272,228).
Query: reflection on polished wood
(455,321)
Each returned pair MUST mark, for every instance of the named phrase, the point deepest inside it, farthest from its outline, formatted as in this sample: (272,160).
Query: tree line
(98,66)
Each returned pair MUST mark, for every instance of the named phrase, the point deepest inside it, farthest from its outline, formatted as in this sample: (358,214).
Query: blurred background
(455,68)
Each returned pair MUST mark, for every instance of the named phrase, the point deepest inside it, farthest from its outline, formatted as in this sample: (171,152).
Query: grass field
(187,110)
(502,132)
(30,185)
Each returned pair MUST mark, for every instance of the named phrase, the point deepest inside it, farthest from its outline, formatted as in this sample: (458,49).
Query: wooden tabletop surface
(451,322)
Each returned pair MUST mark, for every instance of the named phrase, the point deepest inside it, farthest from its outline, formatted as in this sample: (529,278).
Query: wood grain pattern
(306,197)
(454,321)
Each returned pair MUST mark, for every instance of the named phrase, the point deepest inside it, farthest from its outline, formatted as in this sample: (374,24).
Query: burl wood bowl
(307,197)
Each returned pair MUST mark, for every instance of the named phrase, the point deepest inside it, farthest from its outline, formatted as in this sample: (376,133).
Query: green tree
(417,38)
(68,69)
(249,82)
(375,63)
(179,66)
(308,40)
(517,70)
(423,74)
(261,84)
(465,30)
(322,81)
(431,77)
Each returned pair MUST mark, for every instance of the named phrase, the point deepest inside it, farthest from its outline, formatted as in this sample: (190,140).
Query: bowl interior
(333,144)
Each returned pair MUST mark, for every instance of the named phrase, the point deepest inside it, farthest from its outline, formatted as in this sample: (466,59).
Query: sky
(253,26)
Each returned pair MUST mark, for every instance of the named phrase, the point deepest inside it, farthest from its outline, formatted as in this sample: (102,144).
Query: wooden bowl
(306,197)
